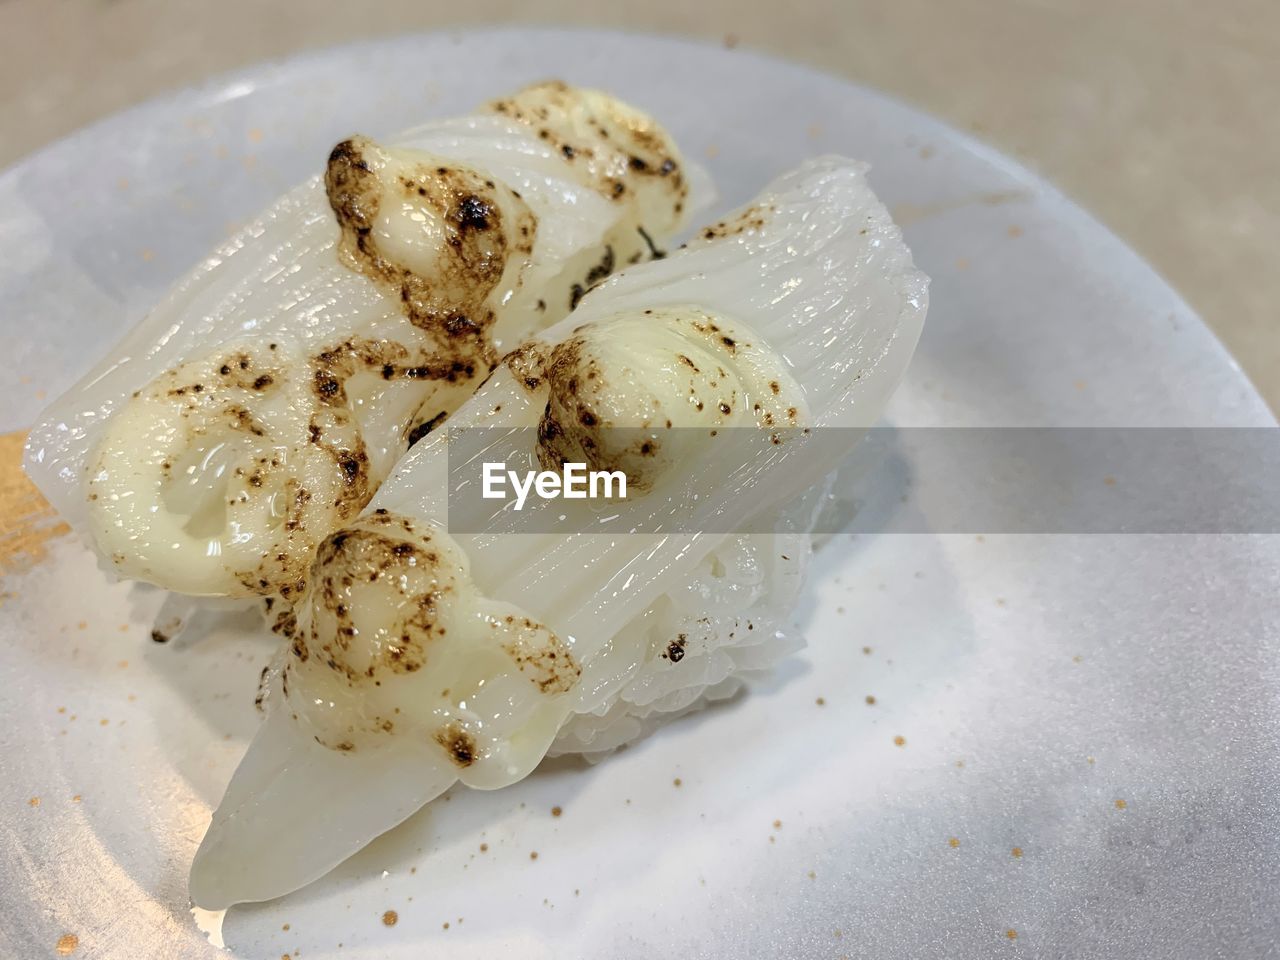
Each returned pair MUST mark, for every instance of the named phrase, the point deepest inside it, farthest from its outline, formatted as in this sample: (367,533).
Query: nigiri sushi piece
(421,657)
(259,407)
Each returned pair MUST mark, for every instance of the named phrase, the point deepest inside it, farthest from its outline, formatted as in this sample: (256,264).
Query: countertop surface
(1158,117)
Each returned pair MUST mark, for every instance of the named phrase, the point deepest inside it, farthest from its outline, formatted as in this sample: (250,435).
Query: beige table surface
(1162,118)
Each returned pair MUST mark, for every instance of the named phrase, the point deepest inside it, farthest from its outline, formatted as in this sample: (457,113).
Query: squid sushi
(421,656)
(259,407)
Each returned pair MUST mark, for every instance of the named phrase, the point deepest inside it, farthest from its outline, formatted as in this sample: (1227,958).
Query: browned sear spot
(675,649)
(458,744)
(479,241)
(543,658)
(751,219)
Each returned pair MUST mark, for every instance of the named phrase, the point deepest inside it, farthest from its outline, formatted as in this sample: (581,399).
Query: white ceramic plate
(1090,756)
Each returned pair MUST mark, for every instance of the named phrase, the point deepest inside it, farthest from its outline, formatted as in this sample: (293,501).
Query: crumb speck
(899,741)
(1011,934)
(533,854)
(821,701)
(33,802)
(871,701)
(556,811)
(676,782)
(777,824)
(67,944)
(1121,804)
(285,927)
(866,651)
(390,918)
(484,848)
(1017,853)
(953,842)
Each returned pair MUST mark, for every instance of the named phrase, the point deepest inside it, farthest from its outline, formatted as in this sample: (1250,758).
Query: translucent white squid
(259,407)
(421,657)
